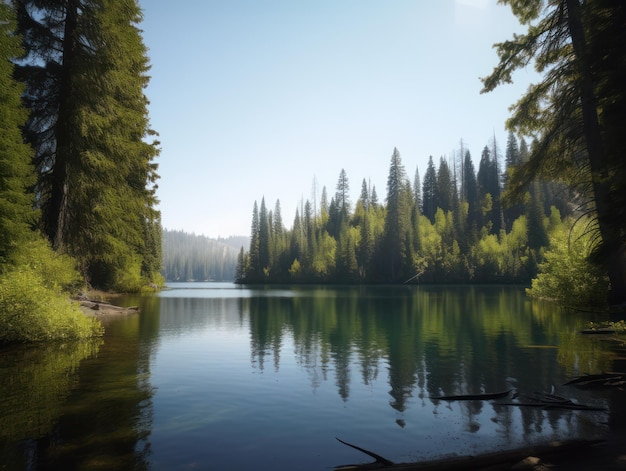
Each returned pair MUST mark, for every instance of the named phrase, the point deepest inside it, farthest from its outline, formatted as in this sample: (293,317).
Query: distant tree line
(450,227)
(191,257)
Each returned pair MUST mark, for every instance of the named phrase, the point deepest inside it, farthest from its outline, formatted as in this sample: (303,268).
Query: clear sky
(257,98)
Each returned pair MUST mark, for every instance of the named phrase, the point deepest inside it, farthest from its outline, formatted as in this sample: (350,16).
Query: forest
(449,228)
(78,177)
(502,223)
(191,257)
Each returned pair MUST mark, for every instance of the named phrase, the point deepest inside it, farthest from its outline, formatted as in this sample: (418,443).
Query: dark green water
(215,376)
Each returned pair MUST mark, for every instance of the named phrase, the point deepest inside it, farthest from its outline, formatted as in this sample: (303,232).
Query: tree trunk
(57,206)
(614,248)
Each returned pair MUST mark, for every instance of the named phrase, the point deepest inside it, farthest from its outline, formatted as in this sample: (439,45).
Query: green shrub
(30,311)
(35,300)
(566,274)
(57,271)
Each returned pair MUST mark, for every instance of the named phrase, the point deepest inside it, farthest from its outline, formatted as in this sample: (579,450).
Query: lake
(215,376)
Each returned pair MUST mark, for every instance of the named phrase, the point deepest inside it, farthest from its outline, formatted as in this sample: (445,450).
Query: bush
(57,271)
(566,274)
(35,302)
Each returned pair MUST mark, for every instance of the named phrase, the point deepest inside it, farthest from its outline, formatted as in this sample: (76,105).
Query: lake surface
(217,376)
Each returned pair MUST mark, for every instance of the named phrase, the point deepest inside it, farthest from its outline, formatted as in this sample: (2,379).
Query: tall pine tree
(397,221)
(16,213)
(85,71)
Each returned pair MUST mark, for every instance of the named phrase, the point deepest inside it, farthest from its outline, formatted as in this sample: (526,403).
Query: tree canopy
(576,114)
(84,68)
(397,242)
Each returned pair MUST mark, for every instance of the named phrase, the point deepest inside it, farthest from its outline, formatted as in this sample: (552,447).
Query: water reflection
(227,375)
(80,405)
(426,342)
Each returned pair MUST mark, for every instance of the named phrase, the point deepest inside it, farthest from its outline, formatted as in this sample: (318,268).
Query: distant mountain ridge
(191,257)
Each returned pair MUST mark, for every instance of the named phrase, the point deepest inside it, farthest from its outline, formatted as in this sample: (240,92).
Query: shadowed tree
(577,110)
(397,221)
(85,70)
(429,186)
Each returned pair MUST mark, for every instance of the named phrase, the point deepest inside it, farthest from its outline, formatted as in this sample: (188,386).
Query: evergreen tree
(577,109)
(342,196)
(397,219)
(297,239)
(513,160)
(254,253)
(324,209)
(443,188)
(489,190)
(240,271)
(429,186)
(364,197)
(264,238)
(374,197)
(417,189)
(473,196)
(85,71)
(16,214)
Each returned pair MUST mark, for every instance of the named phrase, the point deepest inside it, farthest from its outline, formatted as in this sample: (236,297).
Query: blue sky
(257,98)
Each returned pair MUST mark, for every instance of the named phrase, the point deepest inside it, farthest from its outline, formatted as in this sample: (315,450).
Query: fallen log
(551,401)
(599,331)
(491,461)
(474,397)
(598,380)
(380,461)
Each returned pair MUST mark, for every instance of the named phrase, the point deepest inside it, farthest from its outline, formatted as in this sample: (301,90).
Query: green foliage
(35,385)
(618,326)
(397,242)
(576,111)
(85,71)
(33,311)
(35,298)
(56,271)
(16,173)
(566,274)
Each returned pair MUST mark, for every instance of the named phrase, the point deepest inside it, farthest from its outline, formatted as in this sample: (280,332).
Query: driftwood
(379,463)
(610,379)
(599,331)
(474,397)
(551,401)
(490,461)
(99,308)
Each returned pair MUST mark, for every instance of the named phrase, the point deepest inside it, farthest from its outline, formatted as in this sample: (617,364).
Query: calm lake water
(214,376)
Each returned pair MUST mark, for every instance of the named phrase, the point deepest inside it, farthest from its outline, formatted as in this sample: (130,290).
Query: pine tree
(429,205)
(513,160)
(397,221)
(240,271)
(577,109)
(264,238)
(254,252)
(342,196)
(443,188)
(85,71)
(16,173)
(489,190)
(470,185)
(417,189)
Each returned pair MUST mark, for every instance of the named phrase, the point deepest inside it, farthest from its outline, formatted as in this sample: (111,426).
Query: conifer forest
(449,227)
(79,175)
